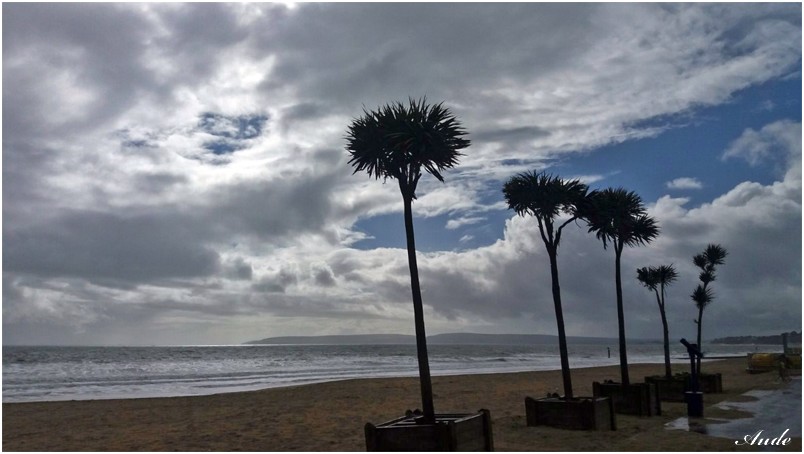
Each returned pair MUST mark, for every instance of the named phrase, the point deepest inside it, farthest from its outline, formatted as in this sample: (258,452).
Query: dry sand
(331,416)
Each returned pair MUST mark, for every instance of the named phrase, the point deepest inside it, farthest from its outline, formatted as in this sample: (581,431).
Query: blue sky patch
(232,131)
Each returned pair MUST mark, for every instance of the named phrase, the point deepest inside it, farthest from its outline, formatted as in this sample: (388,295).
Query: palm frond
(715,254)
(706,277)
(639,231)
(702,296)
(700,261)
(543,195)
(648,277)
(667,274)
(398,140)
(618,215)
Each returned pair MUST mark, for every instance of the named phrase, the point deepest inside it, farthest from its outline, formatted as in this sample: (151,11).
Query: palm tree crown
(713,255)
(618,215)
(656,279)
(545,197)
(648,277)
(398,140)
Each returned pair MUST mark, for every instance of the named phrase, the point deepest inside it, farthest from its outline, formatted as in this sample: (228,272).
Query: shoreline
(143,392)
(413,374)
(329,416)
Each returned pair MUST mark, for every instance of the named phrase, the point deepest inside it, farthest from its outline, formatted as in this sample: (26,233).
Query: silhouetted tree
(398,141)
(618,216)
(546,197)
(713,255)
(656,278)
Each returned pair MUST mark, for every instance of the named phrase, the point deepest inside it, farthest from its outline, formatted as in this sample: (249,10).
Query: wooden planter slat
(583,413)
(640,399)
(711,383)
(673,389)
(669,389)
(451,432)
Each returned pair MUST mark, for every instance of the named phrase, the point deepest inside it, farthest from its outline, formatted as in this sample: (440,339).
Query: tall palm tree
(546,197)
(713,255)
(398,141)
(619,217)
(656,278)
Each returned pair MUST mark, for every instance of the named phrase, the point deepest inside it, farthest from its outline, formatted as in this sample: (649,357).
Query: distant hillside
(356,339)
(438,339)
(792,338)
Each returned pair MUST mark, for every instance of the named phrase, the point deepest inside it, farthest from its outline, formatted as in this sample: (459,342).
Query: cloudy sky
(176,174)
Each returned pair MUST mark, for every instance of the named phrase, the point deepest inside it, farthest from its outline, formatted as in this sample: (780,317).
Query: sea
(39,373)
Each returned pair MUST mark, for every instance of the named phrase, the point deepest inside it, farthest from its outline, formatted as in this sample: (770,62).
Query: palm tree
(399,141)
(656,279)
(546,197)
(618,216)
(713,255)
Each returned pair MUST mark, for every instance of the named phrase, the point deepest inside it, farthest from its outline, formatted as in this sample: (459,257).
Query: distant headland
(792,337)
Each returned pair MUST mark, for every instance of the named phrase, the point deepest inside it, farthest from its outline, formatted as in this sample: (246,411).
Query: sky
(176,174)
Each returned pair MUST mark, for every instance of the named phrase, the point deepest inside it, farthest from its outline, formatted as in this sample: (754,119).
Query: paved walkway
(773,412)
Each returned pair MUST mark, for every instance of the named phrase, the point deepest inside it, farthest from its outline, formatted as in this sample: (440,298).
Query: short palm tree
(713,255)
(656,279)
(398,141)
(617,216)
(546,197)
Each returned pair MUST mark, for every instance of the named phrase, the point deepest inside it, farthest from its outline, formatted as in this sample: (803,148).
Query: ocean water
(79,373)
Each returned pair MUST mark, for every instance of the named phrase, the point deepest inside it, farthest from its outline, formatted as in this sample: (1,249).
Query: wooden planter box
(451,432)
(581,413)
(669,389)
(708,383)
(711,383)
(640,399)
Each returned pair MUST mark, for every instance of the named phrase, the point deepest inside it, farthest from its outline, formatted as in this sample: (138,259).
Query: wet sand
(331,416)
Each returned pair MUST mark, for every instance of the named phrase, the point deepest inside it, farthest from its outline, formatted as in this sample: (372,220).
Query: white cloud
(774,141)
(684,183)
(453,224)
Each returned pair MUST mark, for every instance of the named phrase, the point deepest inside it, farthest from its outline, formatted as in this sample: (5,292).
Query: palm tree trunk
(418,313)
(562,337)
(621,317)
(666,331)
(700,348)
(667,370)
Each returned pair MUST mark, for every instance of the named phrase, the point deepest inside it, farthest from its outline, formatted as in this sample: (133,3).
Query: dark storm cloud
(315,40)
(275,208)
(198,35)
(104,247)
(523,133)
(158,182)
(239,269)
(103,47)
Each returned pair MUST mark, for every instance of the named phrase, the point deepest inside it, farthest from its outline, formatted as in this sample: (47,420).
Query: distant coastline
(438,339)
(793,337)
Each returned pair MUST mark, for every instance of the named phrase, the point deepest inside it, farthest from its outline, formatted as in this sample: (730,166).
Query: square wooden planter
(640,399)
(669,389)
(580,413)
(451,432)
(711,383)
(707,383)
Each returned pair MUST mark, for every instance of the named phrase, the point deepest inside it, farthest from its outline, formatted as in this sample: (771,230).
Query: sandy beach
(330,416)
